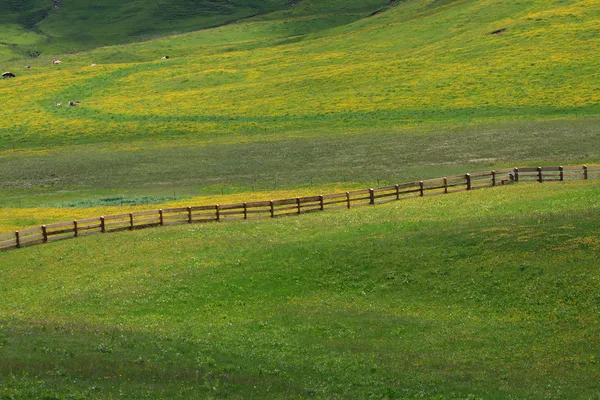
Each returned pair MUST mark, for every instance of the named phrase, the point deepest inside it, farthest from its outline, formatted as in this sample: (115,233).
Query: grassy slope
(29,27)
(294,101)
(190,169)
(441,65)
(490,294)
(28,212)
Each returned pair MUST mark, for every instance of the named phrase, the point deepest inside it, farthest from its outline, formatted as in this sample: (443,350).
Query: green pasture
(84,24)
(77,175)
(314,93)
(484,294)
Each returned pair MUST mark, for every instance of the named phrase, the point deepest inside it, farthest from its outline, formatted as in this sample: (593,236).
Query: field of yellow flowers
(417,61)
(319,91)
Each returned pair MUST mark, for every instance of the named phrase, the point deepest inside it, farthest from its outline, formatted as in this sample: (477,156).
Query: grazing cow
(164,58)
(73,103)
(7,75)
(56,62)
(27,66)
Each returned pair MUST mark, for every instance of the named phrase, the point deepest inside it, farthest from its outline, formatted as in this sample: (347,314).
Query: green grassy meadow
(484,294)
(184,169)
(490,294)
(29,28)
(319,92)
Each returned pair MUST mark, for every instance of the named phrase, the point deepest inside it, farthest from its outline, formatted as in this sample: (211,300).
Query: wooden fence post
(372,197)
(562,173)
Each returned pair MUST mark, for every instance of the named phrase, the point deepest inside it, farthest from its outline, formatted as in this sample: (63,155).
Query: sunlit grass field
(484,294)
(416,63)
(319,91)
(28,212)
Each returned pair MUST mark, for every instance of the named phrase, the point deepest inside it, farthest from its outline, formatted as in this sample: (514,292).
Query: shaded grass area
(487,294)
(31,29)
(35,27)
(187,168)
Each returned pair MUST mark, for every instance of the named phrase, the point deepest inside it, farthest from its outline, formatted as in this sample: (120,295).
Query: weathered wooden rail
(292,206)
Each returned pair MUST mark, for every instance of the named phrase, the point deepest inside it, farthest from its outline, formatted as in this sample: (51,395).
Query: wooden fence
(292,206)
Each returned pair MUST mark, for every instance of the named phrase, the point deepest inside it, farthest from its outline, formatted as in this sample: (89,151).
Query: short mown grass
(485,294)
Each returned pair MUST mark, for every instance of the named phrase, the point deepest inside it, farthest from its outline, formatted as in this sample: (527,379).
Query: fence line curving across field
(291,206)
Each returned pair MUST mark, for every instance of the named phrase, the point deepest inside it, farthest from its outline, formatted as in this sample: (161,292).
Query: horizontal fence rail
(292,206)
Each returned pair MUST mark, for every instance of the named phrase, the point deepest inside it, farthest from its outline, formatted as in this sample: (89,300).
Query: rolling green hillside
(33,27)
(318,92)
(30,28)
(484,294)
